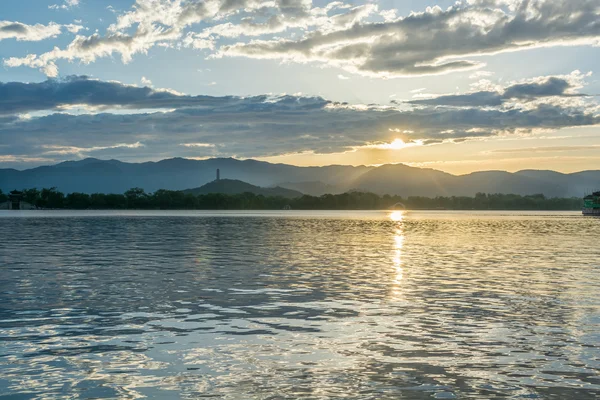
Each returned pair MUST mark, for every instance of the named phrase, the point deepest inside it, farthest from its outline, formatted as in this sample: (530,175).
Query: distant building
(591,204)
(218,174)
(15,202)
(14,199)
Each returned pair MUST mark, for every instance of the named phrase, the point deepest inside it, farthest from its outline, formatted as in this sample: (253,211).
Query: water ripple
(357,305)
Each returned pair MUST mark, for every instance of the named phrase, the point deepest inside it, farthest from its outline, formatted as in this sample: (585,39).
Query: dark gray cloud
(194,126)
(15,28)
(264,126)
(18,97)
(552,86)
(21,31)
(477,99)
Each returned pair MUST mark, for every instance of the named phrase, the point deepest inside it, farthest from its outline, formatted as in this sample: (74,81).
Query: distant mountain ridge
(113,176)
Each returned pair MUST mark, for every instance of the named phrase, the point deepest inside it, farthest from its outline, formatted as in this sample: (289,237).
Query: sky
(458,86)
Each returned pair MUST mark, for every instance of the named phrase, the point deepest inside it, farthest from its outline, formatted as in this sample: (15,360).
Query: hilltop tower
(218,174)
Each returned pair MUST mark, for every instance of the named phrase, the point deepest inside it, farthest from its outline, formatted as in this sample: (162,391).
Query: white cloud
(480,74)
(198,42)
(20,31)
(146,82)
(437,41)
(197,145)
(434,41)
(48,150)
(67,4)
(157,22)
(164,23)
(73,28)
(342,77)
(389,15)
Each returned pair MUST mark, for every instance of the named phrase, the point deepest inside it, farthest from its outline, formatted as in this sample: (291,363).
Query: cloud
(197,145)
(437,41)
(88,49)
(164,22)
(52,150)
(305,17)
(477,99)
(480,74)
(361,39)
(67,4)
(156,21)
(266,125)
(145,81)
(550,87)
(24,32)
(74,28)
(54,94)
(547,149)
(343,77)
(532,89)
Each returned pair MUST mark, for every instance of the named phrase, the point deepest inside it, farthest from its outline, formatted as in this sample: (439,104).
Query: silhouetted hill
(315,188)
(233,186)
(408,181)
(113,176)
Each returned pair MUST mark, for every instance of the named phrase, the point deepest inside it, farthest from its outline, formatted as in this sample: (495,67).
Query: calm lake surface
(287,305)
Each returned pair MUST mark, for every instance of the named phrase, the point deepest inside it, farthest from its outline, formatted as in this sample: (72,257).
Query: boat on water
(591,204)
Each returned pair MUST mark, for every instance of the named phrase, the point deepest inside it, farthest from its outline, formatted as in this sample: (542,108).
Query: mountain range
(112,176)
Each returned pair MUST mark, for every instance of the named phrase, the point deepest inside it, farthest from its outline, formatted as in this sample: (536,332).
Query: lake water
(287,305)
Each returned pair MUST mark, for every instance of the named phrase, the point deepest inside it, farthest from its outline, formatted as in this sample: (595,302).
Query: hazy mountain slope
(233,186)
(505,182)
(406,181)
(576,183)
(112,176)
(314,188)
(409,181)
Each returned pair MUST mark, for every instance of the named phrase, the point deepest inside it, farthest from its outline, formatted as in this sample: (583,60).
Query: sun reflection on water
(398,217)
(399,239)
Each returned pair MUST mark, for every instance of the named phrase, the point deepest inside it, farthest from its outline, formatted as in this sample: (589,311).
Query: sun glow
(396,144)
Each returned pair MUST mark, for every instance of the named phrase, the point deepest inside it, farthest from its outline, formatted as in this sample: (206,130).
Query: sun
(396,144)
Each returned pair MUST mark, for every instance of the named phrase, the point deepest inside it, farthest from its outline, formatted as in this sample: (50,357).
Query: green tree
(78,201)
(51,198)
(31,196)
(115,201)
(136,198)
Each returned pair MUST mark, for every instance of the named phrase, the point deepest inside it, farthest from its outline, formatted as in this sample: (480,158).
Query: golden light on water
(399,239)
(397,216)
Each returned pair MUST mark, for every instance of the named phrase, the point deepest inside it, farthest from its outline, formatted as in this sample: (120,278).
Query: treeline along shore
(137,198)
